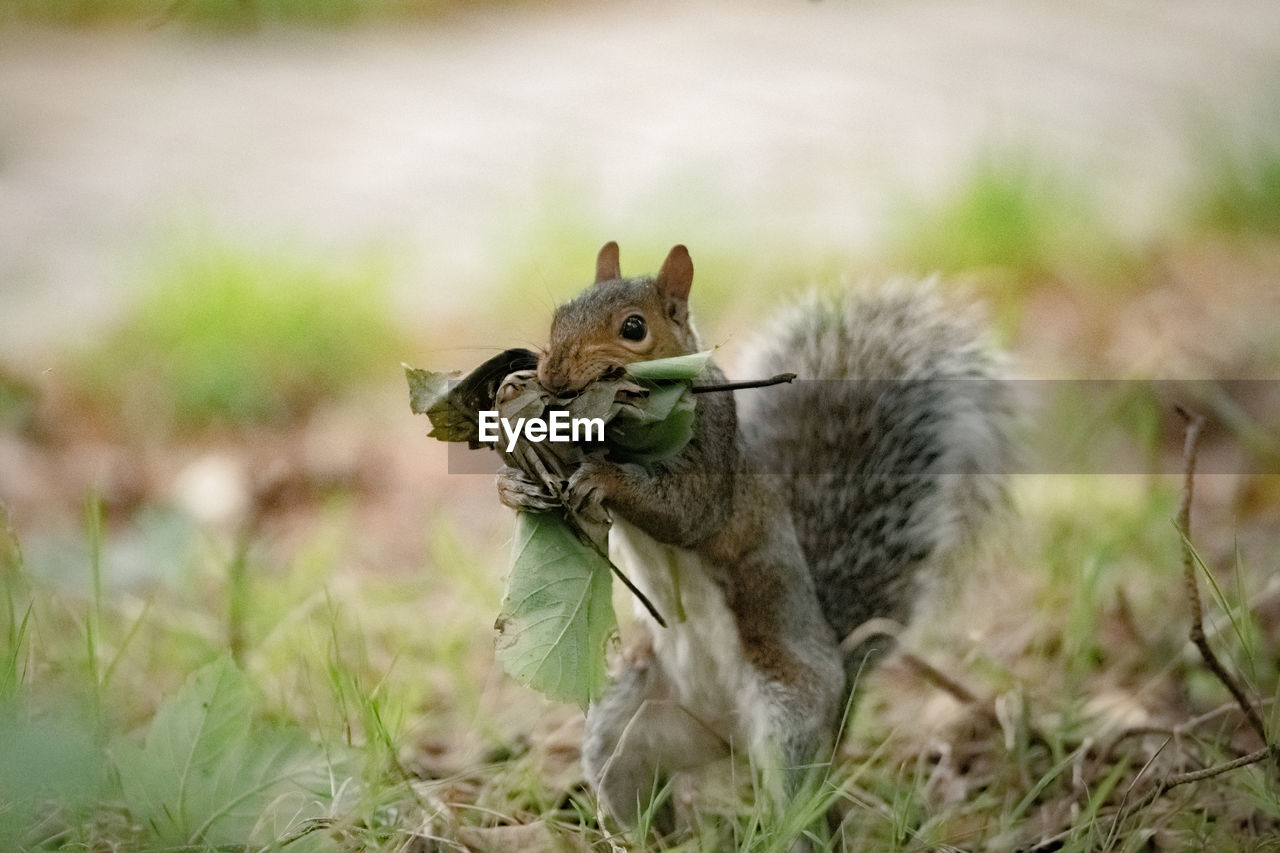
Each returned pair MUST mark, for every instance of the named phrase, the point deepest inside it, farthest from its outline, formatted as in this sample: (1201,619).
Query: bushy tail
(894,442)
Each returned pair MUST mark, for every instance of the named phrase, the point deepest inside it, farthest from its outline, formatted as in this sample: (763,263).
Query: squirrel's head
(617,321)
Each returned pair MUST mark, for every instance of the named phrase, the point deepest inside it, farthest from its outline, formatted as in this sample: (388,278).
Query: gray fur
(896,457)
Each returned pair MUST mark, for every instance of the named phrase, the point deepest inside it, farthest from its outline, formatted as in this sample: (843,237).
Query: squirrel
(785,523)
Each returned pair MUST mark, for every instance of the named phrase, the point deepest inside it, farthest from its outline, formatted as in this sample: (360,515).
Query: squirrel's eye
(633,328)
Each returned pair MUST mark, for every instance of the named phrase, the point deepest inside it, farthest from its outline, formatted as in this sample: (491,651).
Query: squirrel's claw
(584,494)
(521,492)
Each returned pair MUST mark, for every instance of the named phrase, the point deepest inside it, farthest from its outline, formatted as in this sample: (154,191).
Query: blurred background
(224,224)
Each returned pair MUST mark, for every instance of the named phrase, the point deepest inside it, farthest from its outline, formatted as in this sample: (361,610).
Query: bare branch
(922,669)
(928,672)
(1190,451)
(1171,782)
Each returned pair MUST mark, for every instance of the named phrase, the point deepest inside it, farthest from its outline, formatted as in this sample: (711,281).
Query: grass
(1012,213)
(1236,188)
(348,683)
(195,749)
(220,335)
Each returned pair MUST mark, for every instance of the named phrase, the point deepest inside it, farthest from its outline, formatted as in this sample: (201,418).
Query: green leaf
(676,367)
(557,614)
(426,388)
(204,776)
(659,428)
(429,395)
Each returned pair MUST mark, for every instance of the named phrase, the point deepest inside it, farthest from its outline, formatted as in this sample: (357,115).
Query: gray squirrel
(792,517)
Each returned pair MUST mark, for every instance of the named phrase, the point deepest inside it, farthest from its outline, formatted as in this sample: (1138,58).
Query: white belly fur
(700,649)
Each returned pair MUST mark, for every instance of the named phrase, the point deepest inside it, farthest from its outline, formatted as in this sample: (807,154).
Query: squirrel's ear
(674,281)
(607,268)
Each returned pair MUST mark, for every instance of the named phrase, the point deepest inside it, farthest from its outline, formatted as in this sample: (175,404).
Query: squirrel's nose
(554,377)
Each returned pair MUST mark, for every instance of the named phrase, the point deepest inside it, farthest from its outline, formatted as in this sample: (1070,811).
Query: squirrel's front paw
(521,492)
(584,492)
(588,486)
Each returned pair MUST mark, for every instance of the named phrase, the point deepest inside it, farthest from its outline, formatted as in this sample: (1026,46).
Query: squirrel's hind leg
(792,734)
(636,736)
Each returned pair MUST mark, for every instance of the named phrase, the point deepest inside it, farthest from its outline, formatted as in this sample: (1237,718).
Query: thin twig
(628,583)
(780,379)
(922,669)
(928,672)
(1217,769)
(1165,785)
(1190,450)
